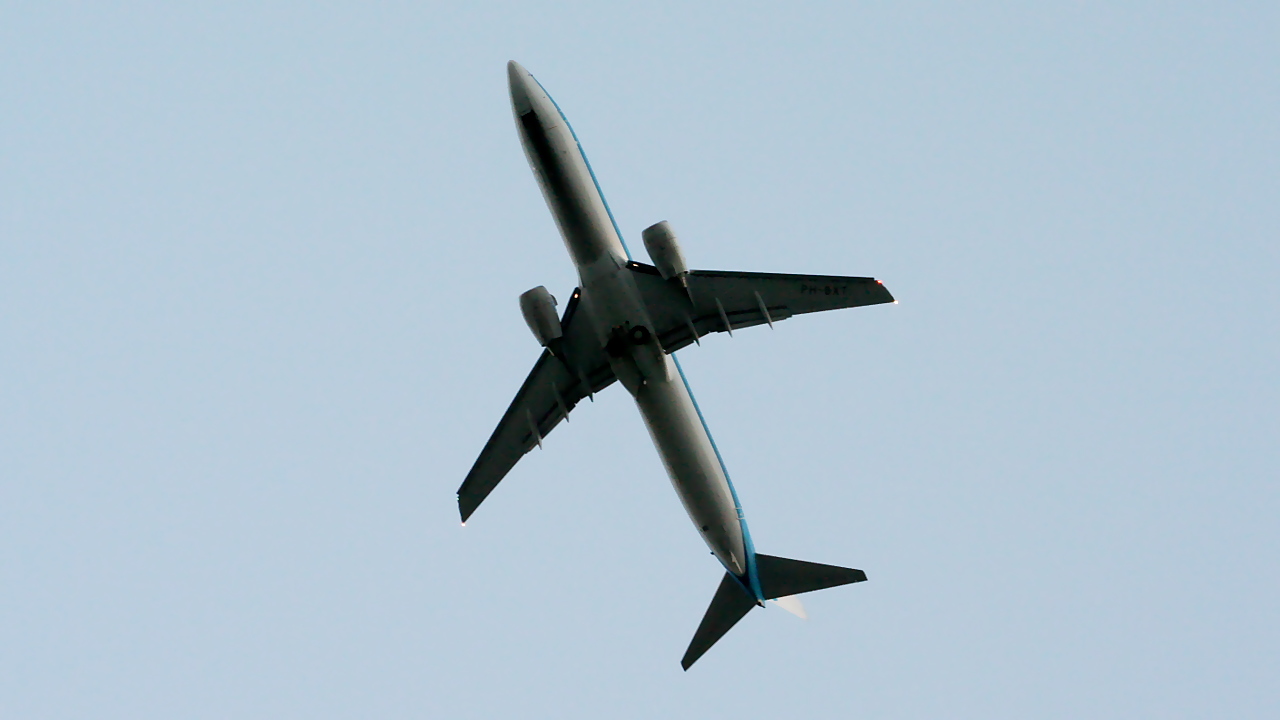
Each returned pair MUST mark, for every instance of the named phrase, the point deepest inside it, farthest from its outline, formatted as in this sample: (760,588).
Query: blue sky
(258,315)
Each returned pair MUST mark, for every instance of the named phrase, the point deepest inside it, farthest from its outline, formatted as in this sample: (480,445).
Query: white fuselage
(617,310)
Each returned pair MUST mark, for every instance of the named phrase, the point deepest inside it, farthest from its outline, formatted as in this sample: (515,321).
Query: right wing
(553,388)
(718,301)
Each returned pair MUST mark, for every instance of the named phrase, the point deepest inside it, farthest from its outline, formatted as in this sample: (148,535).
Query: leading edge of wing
(546,397)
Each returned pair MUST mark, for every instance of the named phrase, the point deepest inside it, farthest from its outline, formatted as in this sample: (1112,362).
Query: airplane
(625,322)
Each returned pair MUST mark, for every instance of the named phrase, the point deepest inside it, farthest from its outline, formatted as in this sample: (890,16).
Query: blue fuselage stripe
(583,153)
(752,578)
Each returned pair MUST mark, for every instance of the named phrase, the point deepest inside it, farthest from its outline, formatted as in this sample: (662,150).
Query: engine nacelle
(539,309)
(663,249)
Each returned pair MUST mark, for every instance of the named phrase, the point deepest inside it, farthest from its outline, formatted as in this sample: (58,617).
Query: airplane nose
(519,81)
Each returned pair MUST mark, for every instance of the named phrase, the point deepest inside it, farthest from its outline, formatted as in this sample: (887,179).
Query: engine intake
(539,309)
(664,250)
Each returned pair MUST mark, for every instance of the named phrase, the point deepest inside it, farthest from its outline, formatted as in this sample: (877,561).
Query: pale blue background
(258,315)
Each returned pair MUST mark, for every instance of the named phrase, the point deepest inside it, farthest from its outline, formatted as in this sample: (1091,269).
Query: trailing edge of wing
(719,301)
(552,389)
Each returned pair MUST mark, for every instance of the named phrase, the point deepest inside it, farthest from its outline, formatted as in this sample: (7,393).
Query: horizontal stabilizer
(780,577)
(732,601)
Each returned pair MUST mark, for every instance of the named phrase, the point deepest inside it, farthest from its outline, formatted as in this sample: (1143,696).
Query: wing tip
(467,505)
(885,295)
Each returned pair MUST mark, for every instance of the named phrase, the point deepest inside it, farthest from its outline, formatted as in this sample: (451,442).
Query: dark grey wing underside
(718,301)
(710,301)
(552,389)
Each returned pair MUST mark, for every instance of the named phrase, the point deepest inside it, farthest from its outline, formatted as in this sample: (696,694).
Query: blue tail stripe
(752,577)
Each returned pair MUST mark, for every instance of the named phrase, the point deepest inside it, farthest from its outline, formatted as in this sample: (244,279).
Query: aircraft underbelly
(618,311)
(565,178)
(692,465)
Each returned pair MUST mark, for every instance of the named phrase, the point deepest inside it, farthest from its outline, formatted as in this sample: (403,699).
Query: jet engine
(539,309)
(663,249)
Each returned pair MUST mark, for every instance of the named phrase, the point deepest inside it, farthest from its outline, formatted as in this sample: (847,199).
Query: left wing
(720,301)
(554,386)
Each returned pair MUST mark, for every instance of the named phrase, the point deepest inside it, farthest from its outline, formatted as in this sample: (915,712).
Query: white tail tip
(792,604)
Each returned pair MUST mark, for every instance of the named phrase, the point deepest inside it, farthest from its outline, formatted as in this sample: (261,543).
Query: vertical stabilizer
(792,604)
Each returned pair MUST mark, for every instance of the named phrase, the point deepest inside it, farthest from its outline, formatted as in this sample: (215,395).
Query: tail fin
(731,602)
(779,577)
